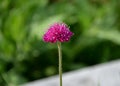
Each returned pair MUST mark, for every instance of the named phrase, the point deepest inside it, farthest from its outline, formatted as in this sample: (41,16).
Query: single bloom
(58,32)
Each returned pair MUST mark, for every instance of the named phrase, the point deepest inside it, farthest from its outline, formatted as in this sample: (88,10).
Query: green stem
(60,62)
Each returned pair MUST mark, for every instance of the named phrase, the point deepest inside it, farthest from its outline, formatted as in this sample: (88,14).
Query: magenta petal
(58,32)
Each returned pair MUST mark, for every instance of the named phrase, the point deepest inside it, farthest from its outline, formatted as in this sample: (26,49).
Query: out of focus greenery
(25,57)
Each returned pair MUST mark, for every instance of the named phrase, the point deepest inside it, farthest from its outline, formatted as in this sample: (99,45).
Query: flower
(58,32)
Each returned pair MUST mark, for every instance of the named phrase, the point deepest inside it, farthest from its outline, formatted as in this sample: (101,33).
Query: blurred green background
(24,56)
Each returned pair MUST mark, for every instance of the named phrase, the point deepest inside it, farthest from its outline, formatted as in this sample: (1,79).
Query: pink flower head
(58,32)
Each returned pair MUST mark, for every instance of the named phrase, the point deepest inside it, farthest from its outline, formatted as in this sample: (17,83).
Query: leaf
(14,26)
(39,28)
(112,35)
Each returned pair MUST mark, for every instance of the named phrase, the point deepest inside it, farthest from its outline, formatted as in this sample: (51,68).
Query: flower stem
(60,62)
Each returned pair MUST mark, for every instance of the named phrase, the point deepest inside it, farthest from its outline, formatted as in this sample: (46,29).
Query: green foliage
(25,57)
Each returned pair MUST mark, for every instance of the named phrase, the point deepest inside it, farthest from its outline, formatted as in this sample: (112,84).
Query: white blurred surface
(107,74)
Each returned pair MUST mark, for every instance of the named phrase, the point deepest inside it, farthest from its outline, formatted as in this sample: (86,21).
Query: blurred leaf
(14,26)
(38,28)
(111,35)
(12,79)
